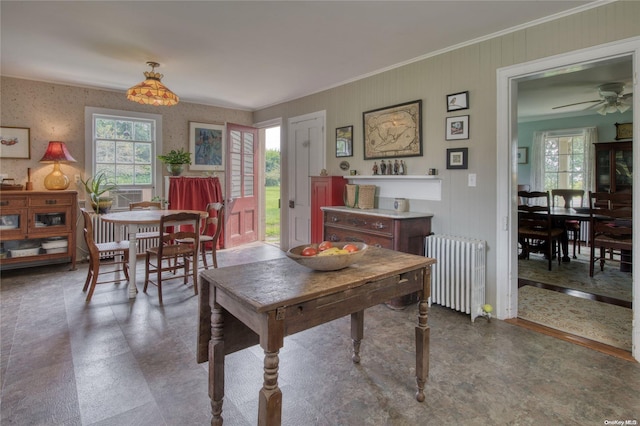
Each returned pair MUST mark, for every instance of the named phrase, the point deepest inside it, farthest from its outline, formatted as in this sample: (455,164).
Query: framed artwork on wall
(206,144)
(15,142)
(344,141)
(393,132)
(457,158)
(457,128)
(523,155)
(624,131)
(457,101)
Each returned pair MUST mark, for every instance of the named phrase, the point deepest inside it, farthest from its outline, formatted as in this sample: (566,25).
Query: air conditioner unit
(123,197)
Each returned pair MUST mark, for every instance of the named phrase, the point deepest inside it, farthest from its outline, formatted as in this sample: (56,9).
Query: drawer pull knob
(335,219)
(378,225)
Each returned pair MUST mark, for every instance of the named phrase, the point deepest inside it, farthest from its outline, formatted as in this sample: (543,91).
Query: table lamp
(56,153)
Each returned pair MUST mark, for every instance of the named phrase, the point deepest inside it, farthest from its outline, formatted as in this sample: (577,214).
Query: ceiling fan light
(622,107)
(151,91)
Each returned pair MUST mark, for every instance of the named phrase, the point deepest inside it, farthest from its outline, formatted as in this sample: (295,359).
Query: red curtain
(194,193)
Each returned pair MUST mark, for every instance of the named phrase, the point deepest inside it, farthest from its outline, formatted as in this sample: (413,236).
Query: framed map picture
(206,143)
(393,132)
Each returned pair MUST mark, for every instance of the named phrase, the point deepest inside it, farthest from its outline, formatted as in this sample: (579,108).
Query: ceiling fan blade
(577,103)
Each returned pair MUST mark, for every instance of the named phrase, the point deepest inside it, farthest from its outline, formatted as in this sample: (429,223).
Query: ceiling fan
(611,99)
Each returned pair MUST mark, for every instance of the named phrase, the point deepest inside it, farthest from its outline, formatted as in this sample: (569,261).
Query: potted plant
(175,160)
(96,186)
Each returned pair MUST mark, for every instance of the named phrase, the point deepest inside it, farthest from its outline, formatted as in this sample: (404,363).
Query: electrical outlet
(77,179)
(472,179)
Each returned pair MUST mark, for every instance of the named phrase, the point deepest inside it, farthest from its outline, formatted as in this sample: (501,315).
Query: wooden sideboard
(37,228)
(400,231)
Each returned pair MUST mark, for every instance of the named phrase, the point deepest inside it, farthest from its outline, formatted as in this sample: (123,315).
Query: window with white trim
(564,158)
(124,146)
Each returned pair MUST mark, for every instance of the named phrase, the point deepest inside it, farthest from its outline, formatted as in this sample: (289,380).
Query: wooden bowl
(327,263)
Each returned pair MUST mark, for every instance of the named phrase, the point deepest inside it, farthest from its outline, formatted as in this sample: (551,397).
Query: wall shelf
(417,187)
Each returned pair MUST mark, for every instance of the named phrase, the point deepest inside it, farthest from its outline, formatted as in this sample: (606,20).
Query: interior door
(241,181)
(306,158)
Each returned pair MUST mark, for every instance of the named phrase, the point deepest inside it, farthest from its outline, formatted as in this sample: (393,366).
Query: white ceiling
(245,54)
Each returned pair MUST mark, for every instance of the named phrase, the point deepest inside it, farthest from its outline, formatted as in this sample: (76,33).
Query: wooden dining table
(262,302)
(134,220)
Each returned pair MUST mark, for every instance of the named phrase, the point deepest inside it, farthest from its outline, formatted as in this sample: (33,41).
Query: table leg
(133,256)
(357,332)
(216,363)
(270,398)
(422,338)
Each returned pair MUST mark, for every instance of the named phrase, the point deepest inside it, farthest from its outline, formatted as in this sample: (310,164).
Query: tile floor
(120,362)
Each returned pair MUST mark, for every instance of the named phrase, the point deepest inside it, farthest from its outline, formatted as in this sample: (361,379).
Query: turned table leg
(216,365)
(270,398)
(422,338)
(357,332)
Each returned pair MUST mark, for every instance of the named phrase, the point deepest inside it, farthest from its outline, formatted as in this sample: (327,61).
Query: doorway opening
(272,179)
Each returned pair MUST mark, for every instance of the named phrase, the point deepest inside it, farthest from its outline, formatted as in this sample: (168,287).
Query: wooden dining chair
(572,226)
(117,252)
(611,228)
(173,227)
(209,233)
(146,205)
(536,231)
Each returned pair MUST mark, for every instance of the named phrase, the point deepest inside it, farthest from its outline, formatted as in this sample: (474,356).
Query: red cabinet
(325,191)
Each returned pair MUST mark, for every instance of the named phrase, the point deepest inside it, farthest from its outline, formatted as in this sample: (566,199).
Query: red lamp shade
(57,152)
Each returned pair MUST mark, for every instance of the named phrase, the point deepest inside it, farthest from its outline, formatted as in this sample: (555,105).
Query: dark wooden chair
(536,231)
(116,252)
(611,228)
(146,205)
(158,259)
(209,233)
(572,226)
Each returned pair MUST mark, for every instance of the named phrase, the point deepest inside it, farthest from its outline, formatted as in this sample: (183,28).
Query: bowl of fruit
(328,255)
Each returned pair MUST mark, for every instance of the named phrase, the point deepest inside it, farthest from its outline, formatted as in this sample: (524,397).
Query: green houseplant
(96,186)
(175,160)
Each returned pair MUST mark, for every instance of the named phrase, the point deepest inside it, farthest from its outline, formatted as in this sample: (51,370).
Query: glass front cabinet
(614,166)
(37,228)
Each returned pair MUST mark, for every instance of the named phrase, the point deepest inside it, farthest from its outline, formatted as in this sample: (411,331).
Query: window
(563,159)
(124,145)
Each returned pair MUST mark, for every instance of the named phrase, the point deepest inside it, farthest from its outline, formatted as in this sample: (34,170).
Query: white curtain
(590,136)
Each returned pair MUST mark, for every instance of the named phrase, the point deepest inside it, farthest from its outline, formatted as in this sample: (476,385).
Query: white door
(306,157)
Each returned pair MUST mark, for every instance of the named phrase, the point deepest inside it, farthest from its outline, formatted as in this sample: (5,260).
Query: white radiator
(104,232)
(458,278)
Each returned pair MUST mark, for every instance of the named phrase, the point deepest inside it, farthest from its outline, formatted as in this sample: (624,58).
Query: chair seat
(147,235)
(539,233)
(203,239)
(623,240)
(113,246)
(172,250)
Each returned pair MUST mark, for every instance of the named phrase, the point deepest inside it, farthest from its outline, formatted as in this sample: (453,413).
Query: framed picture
(458,101)
(15,142)
(393,132)
(457,158)
(457,128)
(523,155)
(206,144)
(624,131)
(344,141)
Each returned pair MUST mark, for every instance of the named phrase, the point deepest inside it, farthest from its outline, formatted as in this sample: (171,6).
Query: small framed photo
(458,101)
(206,143)
(344,141)
(457,128)
(457,158)
(15,142)
(523,155)
(624,131)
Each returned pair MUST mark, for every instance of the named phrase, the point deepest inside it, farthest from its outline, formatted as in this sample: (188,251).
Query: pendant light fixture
(151,91)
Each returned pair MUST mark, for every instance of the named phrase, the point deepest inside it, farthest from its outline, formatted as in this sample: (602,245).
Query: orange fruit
(350,248)
(324,245)
(309,251)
